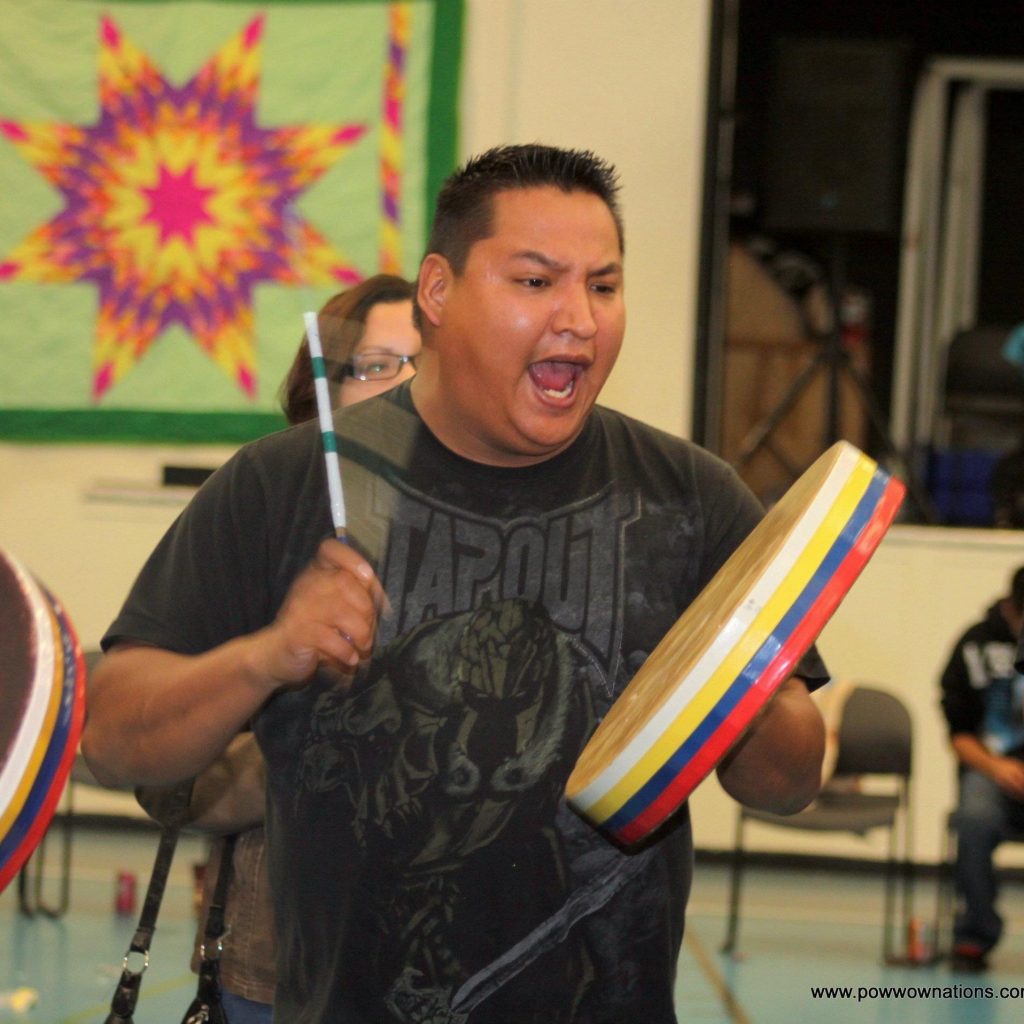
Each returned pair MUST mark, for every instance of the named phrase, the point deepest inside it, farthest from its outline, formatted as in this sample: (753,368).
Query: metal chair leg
(30,878)
(889,907)
(944,895)
(900,873)
(735,880)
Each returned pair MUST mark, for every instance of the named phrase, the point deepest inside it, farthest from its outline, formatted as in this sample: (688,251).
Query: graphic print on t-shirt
(449,756)
(440,561)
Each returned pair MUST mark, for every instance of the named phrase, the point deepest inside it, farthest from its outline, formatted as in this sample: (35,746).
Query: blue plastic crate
(960,484)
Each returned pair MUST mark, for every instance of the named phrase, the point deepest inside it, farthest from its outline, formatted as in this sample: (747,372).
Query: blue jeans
(985,817)
(245,1011)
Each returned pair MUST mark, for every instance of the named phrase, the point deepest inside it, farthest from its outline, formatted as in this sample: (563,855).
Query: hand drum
(732,648)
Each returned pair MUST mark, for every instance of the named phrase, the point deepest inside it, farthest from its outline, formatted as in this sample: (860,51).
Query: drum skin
(733,647)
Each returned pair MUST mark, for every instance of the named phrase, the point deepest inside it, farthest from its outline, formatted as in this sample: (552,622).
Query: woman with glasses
(369,345)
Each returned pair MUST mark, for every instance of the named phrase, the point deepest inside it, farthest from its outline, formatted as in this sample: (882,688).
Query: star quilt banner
(181,180)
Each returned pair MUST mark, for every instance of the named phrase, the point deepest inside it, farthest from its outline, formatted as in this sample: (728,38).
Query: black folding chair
(875,739)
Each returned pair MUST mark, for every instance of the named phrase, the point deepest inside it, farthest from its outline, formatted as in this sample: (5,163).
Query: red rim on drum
(732,648)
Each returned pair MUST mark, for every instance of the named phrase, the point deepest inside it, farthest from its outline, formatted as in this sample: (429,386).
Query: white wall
(63,518)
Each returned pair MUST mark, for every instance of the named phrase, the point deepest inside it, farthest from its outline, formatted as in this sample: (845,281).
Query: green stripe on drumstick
(325,414)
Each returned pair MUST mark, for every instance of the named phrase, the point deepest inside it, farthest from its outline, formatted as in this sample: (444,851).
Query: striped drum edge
(42,710)
(732,648)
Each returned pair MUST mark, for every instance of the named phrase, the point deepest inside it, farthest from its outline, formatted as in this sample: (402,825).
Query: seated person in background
(370,345)
(983,700)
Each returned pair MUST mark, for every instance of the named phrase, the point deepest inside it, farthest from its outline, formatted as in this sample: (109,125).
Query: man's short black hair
(465,207)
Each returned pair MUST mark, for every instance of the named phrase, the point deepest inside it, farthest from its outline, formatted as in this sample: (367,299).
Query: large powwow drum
(42,709)
(731,649)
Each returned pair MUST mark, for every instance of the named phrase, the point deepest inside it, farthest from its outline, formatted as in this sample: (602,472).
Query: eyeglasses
(371,366)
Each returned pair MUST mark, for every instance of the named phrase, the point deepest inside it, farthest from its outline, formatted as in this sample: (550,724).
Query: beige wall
(83,517)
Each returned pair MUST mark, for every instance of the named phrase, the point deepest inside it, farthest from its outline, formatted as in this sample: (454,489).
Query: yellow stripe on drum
(55,662)
(670,726)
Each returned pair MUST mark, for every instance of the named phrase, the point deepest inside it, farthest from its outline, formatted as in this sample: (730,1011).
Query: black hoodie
(981,690)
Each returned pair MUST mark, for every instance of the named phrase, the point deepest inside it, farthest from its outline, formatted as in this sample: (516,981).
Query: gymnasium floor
(800,930)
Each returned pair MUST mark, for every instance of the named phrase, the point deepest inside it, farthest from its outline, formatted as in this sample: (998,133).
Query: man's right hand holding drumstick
(196,704)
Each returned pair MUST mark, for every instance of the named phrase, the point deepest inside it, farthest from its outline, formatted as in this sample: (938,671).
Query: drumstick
(323,404)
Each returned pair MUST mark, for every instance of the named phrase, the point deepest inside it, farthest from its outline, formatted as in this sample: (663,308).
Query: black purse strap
(206,1008)
(214,930)
(126,995)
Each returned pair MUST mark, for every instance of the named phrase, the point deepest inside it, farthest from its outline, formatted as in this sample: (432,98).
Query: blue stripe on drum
(841,547)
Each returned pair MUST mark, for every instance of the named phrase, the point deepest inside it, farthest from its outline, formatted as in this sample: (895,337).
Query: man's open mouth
(555,378)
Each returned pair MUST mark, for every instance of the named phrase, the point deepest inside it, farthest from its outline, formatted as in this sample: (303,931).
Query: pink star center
(178,204)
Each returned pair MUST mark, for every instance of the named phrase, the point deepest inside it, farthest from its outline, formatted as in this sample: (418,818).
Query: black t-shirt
(424,864)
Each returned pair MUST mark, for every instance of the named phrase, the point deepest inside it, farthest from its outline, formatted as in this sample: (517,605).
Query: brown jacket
(247,962)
